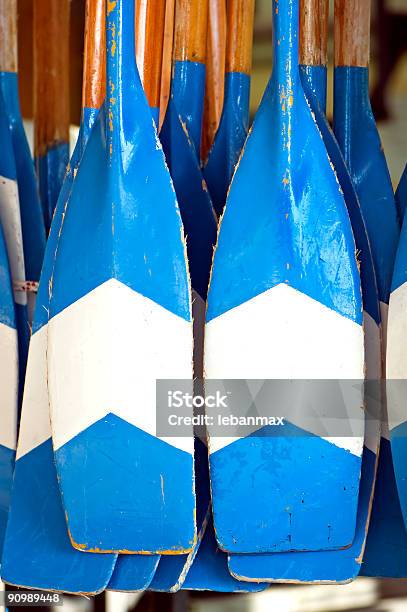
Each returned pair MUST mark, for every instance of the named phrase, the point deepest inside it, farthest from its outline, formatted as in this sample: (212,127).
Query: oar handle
(352,32)
(240,19)
(314,15)
(150,22)
(8,35)
(166,69)
(94,62)
(51,74)
(191,22)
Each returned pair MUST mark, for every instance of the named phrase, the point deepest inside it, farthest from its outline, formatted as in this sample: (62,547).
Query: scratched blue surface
(133,572)
(30,207)
(229,139)
(269,223)
(323,566)
(187,92)
(37,551)
(132,187)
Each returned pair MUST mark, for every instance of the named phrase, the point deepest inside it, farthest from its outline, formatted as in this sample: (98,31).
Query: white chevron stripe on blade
(285,334)
(105,353)
(8,386)
(396,366)
(35,427)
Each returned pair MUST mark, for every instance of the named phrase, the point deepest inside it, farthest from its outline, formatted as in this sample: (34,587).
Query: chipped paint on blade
(293,246)
(187,93)
(229,139)
(32,222)
(132,202)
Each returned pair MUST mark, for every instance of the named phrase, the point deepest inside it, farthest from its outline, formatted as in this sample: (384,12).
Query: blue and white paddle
(30,208)
(358,138)
(340,565)
(234,123)
(120,318)
(285,303)
(50,561)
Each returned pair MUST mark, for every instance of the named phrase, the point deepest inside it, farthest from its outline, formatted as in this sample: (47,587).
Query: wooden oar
(234,124)
(10,217)
(215,74)
(51,99)
(342,565)
(357,135)
(50,561)
(9,374)
(401,195)
(30,208)
(127,315)
(277,310)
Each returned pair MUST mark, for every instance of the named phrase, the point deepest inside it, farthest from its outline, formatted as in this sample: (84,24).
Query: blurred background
(388,79)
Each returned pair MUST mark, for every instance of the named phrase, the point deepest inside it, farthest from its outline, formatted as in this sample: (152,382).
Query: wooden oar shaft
(94,63)
(240,18)
(314,16)
(352,32)
(150,22)
(8,35)
(167,58)
(191,22)
(51,73)
(215,73)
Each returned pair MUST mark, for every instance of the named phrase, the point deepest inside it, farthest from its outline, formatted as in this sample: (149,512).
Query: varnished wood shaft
(191,23)
(8,35)
(150,21)
(240,18)
(352,32)
(94,61)
(314,16)
(215,73)
(51,73)
(166,69)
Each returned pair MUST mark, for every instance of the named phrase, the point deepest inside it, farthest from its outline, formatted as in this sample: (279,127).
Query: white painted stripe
(105,353)
(35,427)
(8,386)
(284,334)
(396,366)
(11,222)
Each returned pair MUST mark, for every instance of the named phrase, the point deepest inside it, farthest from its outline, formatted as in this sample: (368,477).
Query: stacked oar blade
(202,405)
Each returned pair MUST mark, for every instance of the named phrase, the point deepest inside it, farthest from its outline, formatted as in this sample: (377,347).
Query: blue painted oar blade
(51,168)
(209,571)
(284,277)
(187,93)
(129,279)
(30,207)
(36,530)
(9,385)
(339,566)
(197,214)
(229,139)
(401,195)
(133,573)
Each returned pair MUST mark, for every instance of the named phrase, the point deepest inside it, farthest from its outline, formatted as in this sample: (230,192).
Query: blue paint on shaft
(187,91)
(358,138)
(32,221)
(229,139)
(51,169)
